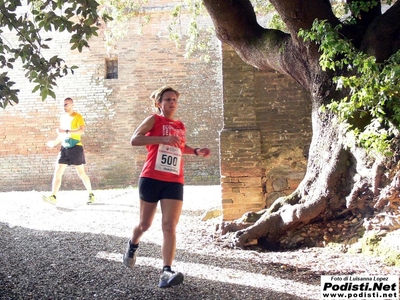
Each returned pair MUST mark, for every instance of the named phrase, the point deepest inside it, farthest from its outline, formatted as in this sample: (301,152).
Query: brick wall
(264,141)
(257,123)
(112,109)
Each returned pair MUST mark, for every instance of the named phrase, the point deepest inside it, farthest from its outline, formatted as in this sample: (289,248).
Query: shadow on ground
(63,265)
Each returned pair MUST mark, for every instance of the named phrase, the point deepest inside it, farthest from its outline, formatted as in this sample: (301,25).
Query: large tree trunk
(340,182)
(341,179)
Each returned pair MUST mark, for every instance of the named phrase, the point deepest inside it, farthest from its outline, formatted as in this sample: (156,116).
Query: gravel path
(74,251)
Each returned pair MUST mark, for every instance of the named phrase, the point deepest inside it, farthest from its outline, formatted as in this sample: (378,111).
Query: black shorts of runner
(72,156)
(152,190)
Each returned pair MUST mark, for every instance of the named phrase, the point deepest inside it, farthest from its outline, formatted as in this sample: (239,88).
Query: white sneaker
(130,255)
(170,278)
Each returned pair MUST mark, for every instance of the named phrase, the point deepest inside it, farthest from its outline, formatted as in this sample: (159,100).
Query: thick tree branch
(382,38)
(239,15)
(236,25)
(300,14)
(364,18)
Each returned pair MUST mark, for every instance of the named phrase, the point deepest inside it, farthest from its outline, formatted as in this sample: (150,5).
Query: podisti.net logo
(363,287)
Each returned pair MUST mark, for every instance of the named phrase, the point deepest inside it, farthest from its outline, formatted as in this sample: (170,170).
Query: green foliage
(350,11)
(119,13)
(263,8)
(277,23)
(29,21)
(354,8)
(197,37)
(370,110)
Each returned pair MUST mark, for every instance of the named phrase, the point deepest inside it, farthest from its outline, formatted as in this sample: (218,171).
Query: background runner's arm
(51,144)
(80,130)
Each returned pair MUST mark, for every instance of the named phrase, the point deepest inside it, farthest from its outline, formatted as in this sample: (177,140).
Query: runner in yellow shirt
(72,126)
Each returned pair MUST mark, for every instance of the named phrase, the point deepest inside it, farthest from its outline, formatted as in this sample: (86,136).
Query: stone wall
(265,137)
(113,108)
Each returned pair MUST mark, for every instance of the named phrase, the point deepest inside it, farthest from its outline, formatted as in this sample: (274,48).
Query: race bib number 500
(168,159)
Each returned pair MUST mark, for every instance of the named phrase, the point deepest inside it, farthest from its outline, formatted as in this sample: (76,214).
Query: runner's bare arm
(54,142)
(205,152)
(80,130)
(139,137)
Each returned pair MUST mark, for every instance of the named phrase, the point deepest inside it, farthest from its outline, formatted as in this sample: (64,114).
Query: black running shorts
(152,190)
(72,156)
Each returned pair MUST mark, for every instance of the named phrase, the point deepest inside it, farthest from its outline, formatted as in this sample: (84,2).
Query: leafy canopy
(28,20)
(370,111)
(120,12)
(197,38)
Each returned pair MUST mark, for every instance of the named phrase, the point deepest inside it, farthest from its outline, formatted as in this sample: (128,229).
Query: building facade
(256,123)
(111,90)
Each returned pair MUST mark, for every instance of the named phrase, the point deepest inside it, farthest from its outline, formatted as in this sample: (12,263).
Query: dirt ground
(74,251)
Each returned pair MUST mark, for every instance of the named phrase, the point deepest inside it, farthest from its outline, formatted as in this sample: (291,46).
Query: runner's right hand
(50,144)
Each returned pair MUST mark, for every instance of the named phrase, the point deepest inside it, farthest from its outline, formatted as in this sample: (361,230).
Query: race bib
(168,159)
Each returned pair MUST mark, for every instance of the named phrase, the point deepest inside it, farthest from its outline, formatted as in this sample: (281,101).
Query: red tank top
(164,162)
